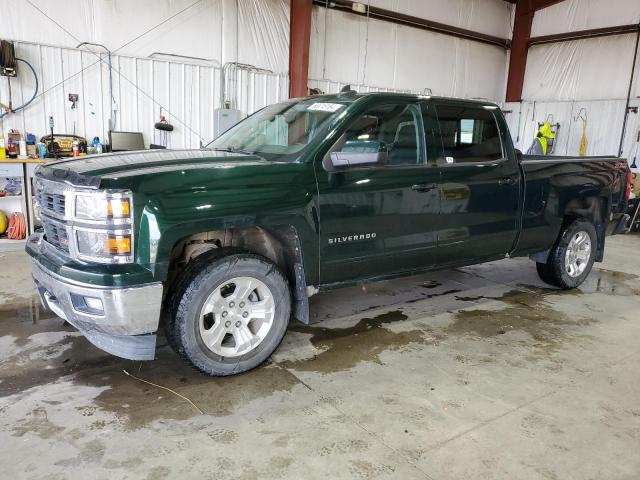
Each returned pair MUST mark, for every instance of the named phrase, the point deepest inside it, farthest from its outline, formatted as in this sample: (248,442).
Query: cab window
(469,134)
(395,129)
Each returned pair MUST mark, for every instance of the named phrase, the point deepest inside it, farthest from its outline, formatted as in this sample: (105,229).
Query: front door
(480,186)
(378,220)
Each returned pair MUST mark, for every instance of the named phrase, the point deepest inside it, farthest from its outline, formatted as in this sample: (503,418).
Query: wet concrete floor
(478,372)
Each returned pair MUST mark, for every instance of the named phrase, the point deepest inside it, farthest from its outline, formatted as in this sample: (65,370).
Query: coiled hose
(33,97)
(17,227)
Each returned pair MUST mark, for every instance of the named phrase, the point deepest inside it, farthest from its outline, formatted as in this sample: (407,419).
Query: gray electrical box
(224,119)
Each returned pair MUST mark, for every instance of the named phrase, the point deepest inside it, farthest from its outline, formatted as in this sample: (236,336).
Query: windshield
(281,131)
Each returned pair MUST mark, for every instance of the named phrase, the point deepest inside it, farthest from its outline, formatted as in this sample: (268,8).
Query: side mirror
(338,161)
(518,155)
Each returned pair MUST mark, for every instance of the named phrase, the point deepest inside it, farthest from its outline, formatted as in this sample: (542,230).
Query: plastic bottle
(3,150)
(22,148)
(75,148)
(12,151)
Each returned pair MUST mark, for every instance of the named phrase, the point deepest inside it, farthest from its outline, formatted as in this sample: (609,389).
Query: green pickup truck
(223,245)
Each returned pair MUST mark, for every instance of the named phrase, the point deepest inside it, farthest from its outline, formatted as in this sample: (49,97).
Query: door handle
(507,181)
(423,187)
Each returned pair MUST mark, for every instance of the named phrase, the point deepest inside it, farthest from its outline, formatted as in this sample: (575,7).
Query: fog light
(87,305)
(94,304)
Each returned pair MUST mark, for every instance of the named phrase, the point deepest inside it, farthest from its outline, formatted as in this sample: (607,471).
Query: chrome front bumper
(126,325)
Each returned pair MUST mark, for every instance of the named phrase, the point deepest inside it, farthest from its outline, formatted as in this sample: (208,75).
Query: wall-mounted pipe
(112,117)
(188,57)
(223,81)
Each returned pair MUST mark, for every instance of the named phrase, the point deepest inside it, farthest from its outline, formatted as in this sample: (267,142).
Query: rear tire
(572,257)
(230,312)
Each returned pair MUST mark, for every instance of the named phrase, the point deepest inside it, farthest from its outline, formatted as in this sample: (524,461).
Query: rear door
(378,220)
(479,185)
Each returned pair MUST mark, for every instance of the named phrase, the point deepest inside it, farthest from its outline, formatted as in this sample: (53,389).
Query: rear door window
(469,134)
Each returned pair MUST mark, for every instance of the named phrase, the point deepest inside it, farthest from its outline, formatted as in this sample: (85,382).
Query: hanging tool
(163,127)
(582,115)
(73,98)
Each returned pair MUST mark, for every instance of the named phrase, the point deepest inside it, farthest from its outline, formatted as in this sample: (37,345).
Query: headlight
(109,246)
(103,208)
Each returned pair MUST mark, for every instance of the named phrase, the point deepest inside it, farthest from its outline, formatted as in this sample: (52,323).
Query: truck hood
(93,170)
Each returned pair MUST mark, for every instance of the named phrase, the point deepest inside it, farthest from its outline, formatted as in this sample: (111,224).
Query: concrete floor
(480,372)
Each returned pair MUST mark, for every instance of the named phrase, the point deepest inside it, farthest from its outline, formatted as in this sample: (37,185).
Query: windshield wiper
(233,150)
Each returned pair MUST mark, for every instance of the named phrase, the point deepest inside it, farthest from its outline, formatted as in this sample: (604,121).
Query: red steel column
(519,49)
(525,10)
(299,38)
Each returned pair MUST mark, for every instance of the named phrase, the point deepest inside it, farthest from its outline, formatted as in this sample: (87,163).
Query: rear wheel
(231,314)
(571,259)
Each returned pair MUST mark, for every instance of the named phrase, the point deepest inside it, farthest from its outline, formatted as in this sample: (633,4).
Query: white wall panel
(329,86)
(186,93)
(487,16)
(597,68)
(352,49)
(247,31)
(572,15)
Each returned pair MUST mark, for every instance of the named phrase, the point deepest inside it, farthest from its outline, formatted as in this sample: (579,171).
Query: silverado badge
(352,238)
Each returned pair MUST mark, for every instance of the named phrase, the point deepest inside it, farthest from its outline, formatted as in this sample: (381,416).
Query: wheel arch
(592,209)
(281,244)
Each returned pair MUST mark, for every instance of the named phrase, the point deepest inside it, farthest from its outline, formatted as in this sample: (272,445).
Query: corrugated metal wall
(187,93)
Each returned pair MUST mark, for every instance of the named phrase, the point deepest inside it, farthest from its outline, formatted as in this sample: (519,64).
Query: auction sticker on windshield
(325,107)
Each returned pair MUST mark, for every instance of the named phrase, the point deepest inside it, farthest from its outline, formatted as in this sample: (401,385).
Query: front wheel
(572,257)
(232,313)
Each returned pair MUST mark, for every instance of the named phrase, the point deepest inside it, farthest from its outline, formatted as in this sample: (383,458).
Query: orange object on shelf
(17,227)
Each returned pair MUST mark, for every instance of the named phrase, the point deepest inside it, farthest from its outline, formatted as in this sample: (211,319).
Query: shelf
(12,196)
(8,241)
(23,160)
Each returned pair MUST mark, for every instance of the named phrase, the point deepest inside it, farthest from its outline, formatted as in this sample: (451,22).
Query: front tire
(572,257)
(231,312)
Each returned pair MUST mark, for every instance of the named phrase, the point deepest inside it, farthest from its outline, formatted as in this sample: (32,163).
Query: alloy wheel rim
(237,316)
(578,254)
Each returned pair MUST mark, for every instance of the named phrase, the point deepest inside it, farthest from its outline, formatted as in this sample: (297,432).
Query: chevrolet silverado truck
(223,245)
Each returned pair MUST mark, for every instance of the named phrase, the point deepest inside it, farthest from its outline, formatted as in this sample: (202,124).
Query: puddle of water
(139,403)
(525,311)
(433,295)
(136,404)
(344,348)
(609,283)
(58,356)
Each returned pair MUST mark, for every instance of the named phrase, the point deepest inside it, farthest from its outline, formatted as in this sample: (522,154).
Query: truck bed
(554,185)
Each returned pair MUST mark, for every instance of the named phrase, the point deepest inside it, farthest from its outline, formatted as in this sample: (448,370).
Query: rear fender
(593,209)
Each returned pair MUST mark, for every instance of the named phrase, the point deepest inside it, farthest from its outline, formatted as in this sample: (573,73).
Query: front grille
(56,235)
(52,203)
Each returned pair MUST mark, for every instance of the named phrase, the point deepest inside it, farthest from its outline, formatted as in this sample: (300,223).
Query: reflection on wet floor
(39,348)
(524,311)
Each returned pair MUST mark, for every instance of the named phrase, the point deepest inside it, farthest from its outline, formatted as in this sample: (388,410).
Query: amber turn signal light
(118,245)
(118,208)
